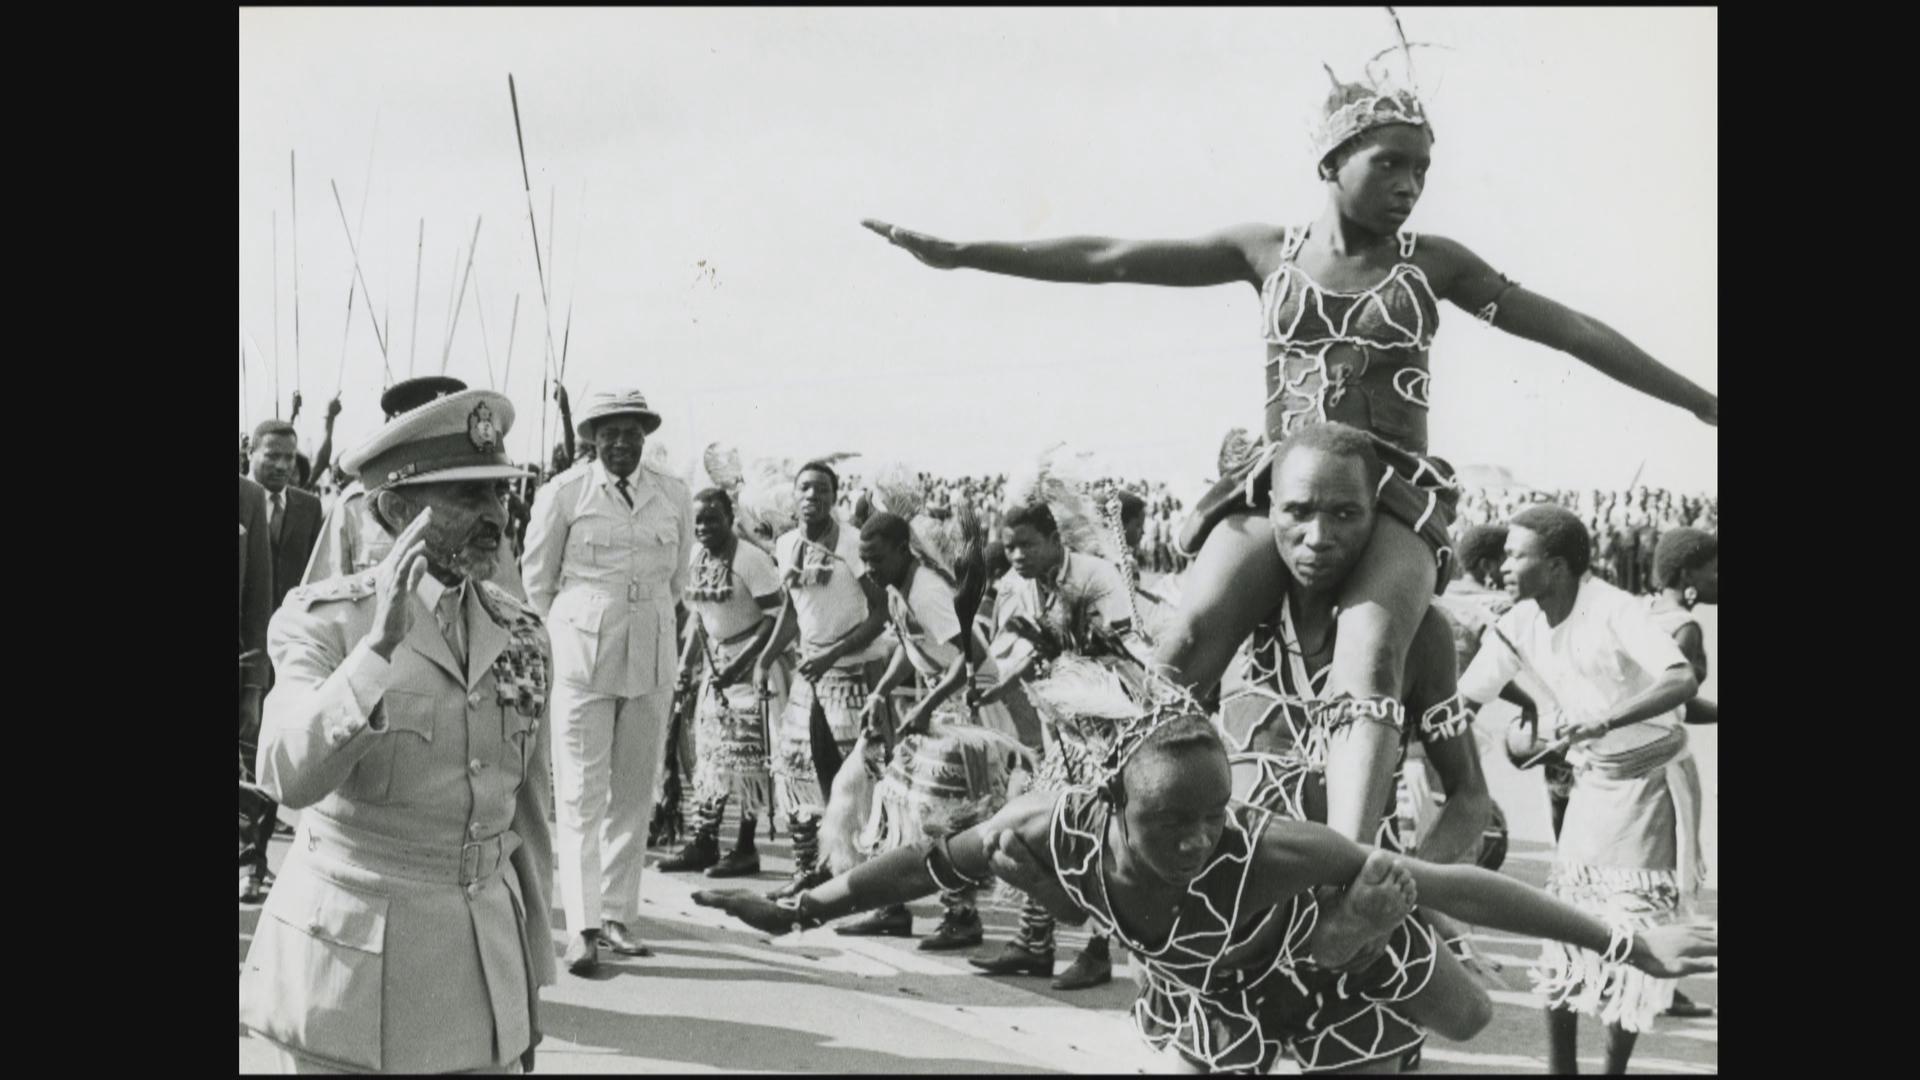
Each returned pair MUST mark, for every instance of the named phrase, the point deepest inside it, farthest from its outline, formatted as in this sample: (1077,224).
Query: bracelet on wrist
(796,906)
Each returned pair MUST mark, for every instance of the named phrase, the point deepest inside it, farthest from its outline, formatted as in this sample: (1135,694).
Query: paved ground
(718,998)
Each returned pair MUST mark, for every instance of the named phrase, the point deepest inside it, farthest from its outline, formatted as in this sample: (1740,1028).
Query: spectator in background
(293,515)
(256,608)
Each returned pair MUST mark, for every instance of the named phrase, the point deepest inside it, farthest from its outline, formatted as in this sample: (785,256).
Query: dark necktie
(620,485)
(279,522)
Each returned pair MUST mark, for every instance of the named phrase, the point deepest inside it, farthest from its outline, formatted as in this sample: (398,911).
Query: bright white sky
(1576,151)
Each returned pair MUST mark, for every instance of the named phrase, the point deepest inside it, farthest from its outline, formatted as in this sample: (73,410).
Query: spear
(453,281)
(454,323)
(276,288)
(506,375)
(243,384)
(413,338)
(293,191)
(362,278)
(546,303)
(486,350)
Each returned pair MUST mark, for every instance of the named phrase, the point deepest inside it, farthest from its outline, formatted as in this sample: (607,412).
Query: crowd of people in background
(1625,525)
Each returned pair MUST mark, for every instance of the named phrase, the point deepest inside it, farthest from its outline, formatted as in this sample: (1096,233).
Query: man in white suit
(608,545)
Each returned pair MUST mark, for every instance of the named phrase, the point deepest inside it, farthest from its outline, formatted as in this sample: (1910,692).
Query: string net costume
(1231,989)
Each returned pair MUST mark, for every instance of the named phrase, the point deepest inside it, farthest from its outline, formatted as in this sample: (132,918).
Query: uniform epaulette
(345,587)
(662,473)
(508,605)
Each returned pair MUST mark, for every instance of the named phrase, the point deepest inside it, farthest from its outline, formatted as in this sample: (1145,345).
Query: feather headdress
(947,546)
(1138,704)
(765,503)
(1063,480)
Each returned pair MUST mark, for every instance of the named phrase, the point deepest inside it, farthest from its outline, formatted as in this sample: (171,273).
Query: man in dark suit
(292,528)
(256,607)
(293,515)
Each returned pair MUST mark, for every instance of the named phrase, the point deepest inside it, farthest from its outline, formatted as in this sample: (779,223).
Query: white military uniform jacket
(606,576)
(409,928)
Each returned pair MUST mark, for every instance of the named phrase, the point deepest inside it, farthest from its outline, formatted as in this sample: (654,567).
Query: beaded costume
(1230,989)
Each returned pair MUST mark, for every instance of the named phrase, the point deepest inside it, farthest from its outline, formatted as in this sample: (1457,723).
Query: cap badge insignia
(480,429)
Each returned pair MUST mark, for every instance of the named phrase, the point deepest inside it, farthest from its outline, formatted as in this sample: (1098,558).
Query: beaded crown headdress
(1353,108)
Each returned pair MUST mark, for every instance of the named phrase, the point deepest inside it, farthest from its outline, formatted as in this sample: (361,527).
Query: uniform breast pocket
(402,751)
(587,543)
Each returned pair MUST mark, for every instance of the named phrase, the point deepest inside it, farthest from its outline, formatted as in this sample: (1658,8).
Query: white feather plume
(1063,480)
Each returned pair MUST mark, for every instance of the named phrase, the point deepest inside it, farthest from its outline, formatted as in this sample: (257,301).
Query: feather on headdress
(1062,480)
(765,503)
(1137,704)
(947,546)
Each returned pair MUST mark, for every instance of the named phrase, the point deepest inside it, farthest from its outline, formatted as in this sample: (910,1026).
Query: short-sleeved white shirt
(924,622)
(829,610)
(1606,650)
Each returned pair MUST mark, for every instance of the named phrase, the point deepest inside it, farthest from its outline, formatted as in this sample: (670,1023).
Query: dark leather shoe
(961,932)
(740,862)
(583,954)
(616,936)
(1015,959)
(1686,1008)
(887,922)
(699,854)
(255,890)
(1093,967)
(800,883)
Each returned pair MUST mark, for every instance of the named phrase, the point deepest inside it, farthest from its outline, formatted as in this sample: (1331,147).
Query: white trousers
(606,757)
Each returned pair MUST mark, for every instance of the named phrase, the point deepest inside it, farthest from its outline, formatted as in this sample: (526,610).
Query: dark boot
(744,859)
(891,921)
(807,871)
(1093,967)
(1016,959)
(704,849)
(959,928)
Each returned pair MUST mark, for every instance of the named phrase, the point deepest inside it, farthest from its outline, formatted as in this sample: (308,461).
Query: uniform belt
(473,861)
(634,591)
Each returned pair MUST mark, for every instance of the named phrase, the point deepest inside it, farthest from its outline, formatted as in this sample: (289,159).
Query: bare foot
(1380,896)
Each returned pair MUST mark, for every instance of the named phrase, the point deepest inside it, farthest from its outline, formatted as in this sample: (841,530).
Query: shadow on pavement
(733,1045)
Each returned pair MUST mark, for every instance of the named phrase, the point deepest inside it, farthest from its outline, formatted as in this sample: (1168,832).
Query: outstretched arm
(1476,287)
(894,878)
(1297,855)
(1485,898)
(1217,259)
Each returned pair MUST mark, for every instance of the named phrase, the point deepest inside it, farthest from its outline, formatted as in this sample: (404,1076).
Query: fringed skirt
(732,727)
(1629,852)
(840,692)
(732,747)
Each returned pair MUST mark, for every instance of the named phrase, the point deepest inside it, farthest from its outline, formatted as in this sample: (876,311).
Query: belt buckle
(470,864)
(633,592)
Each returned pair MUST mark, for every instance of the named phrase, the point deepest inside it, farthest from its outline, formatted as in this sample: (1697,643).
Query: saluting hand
(399,573)
(935,252)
